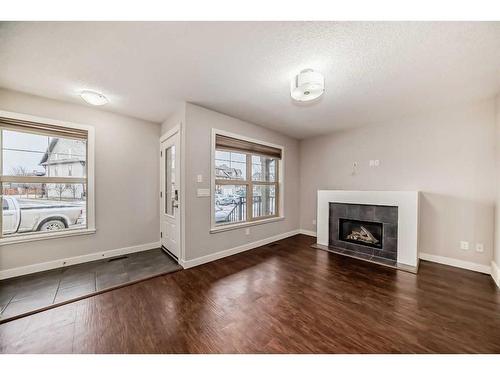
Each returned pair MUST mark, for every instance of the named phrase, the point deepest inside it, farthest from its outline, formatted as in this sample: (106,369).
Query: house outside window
(46,174)
(246,181)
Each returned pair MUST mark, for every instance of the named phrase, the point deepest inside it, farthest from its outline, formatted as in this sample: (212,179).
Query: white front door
(169,194)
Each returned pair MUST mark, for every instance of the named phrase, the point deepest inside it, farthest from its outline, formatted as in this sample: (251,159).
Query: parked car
(240,194)
(221,216)
(236,198)
(224,200)
(20,217)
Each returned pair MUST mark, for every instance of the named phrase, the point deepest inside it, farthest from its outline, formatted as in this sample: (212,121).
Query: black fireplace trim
(361,222)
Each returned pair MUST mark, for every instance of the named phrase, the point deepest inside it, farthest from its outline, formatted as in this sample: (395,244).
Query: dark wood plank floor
(286,298)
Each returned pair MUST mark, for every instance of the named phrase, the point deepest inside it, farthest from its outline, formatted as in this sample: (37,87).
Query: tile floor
(31,292)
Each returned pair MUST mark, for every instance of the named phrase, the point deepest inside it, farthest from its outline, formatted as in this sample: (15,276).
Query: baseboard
(495,273)
(307,232)
(235,250)
(456,263)
(25,270)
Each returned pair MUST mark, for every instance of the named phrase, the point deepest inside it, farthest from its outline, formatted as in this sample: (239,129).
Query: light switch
(203,192)
(199,178)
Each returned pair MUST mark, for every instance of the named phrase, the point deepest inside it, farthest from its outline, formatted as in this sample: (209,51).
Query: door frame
(180,154)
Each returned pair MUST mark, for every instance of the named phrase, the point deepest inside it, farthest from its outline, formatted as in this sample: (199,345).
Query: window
(246,181)
(170,181)
(44,179)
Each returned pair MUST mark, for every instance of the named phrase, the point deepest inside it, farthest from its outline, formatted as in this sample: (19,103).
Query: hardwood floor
(285,298)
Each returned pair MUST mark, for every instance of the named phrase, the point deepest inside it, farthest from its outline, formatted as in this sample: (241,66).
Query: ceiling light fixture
(93,97)
(307,85)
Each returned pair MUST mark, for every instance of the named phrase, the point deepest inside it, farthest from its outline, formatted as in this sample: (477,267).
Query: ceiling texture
(374,71)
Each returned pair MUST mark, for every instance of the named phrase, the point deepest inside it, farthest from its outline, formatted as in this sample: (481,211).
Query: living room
(250,186)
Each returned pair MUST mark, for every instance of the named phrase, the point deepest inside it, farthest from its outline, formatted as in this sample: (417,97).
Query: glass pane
(230,203)
(170,198)
(264,200)
(263,168)
(26,154)
(230,165)
(44,207)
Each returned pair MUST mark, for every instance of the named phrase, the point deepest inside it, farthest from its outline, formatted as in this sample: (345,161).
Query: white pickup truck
(32,216)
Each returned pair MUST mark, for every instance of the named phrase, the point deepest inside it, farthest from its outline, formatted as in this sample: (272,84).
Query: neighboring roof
(45,156)
(51,147)
(225,171)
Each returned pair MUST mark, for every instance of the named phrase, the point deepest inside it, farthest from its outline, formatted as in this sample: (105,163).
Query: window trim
(90,180)
(280,213)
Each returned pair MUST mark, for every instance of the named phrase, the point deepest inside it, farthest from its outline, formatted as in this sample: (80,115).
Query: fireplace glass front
(365,233)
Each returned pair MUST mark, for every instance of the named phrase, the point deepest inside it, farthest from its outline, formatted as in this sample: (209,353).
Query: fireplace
(360,232)
(370,231)
(398,211)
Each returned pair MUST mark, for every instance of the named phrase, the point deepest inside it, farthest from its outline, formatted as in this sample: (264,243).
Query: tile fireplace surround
(398,210)
(385,217)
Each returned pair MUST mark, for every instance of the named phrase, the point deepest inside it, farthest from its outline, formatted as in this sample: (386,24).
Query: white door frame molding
(177,129)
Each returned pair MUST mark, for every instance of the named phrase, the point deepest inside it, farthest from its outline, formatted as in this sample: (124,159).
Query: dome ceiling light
(93,97)
(307,85)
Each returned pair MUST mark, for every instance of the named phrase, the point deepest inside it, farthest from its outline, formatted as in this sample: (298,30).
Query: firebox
(366,233)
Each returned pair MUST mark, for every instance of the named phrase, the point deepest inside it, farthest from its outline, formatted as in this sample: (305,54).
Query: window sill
(45,236)
(224,228)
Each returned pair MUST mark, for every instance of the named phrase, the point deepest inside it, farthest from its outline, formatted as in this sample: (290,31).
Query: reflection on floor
(367,257)
(25,294)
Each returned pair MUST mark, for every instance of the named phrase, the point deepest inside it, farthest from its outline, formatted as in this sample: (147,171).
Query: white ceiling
(375,71)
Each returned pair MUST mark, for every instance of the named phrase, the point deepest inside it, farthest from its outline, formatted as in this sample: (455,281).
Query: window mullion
(42,180)
(277,189)
(230,182)
(270,183)
(250,188)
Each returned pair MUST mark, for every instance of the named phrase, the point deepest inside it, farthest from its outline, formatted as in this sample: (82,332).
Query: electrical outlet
(376,162)
(464,245)
(371,163)
(479,247)
(247,231)
(199,178)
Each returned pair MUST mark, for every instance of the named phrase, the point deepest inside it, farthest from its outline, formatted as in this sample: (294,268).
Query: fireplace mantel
(408,210)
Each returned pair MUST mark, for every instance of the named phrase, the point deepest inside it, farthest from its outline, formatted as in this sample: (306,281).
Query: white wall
(496,256)
(449,156)
(126,182)
(198,124)
(176,118)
